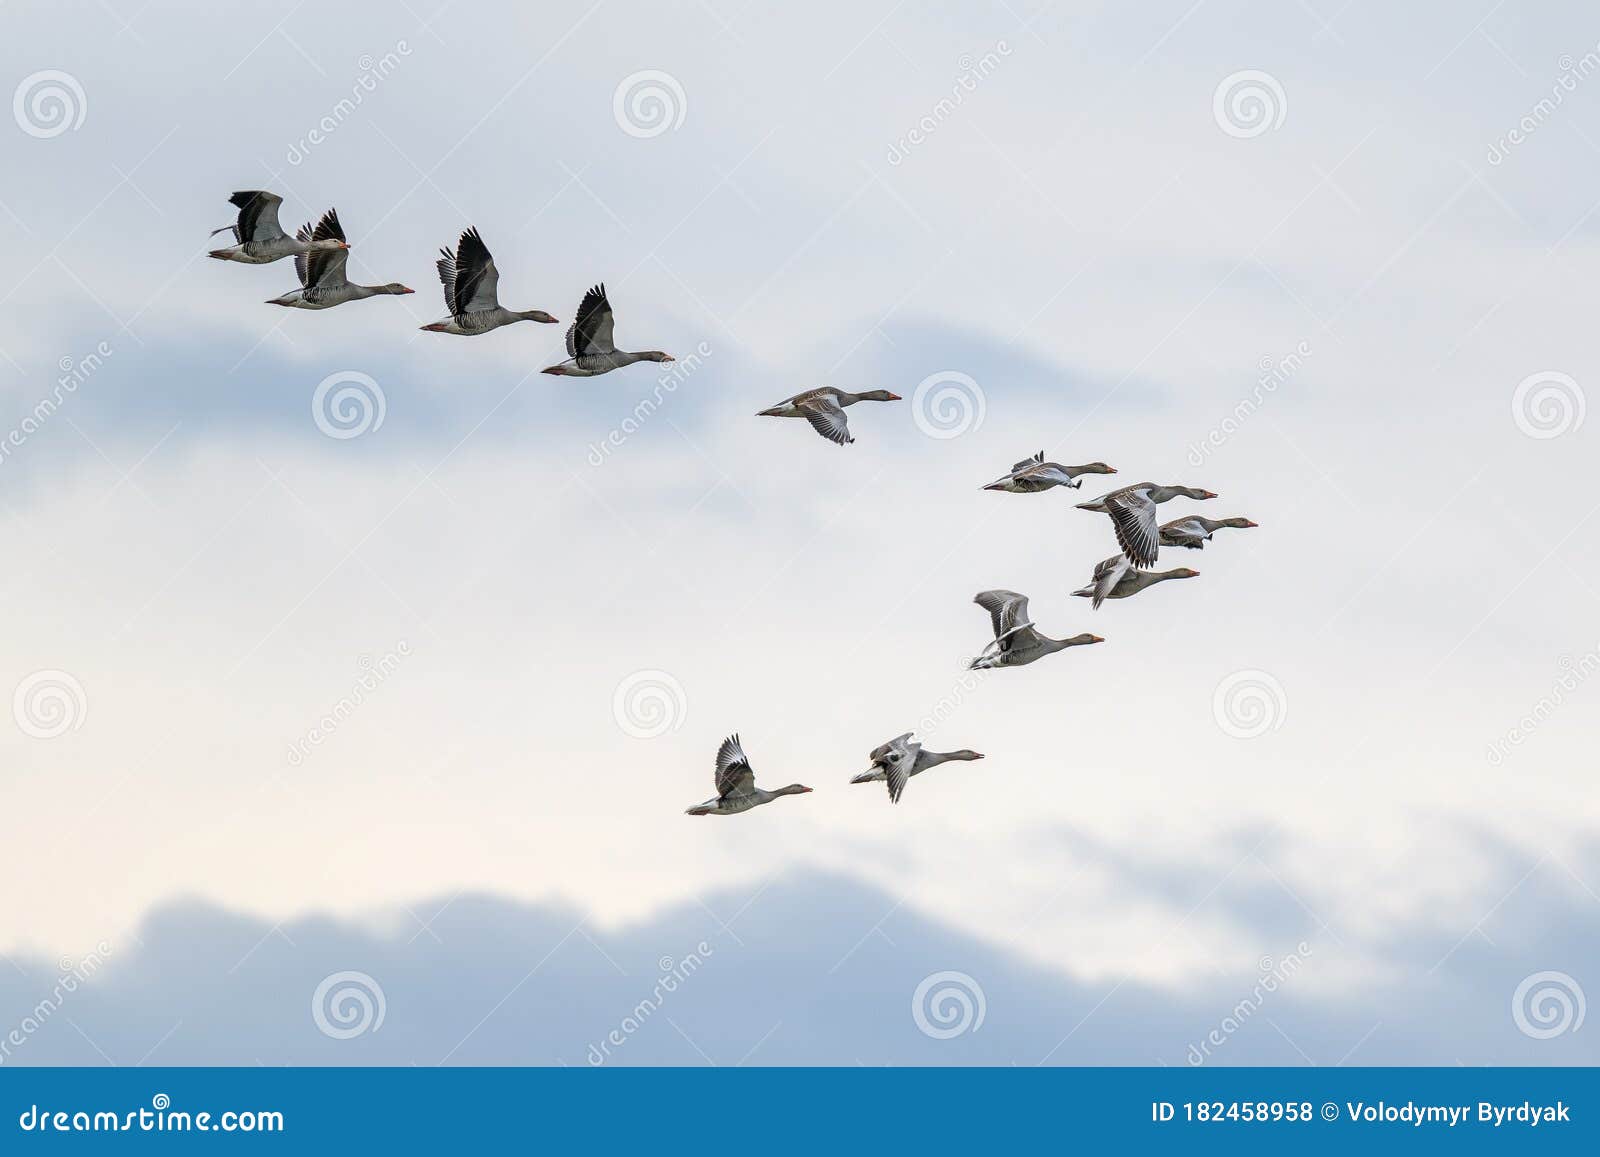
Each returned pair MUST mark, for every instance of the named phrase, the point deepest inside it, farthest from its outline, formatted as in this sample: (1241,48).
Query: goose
(824,409)
(260,238)
(736,785)
(899,759)
(471,291)
(321,273)
(1195,531)
(1032,475)
(590,349)
(1016,643)
(1115,578)
(1133,515)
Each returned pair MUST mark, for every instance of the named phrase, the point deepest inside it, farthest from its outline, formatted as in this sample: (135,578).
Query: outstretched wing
(1107,575)
(734,774)
(827,418)
(590,332)
(324,268)
(1008,614)
(897,758)
(1134,517)
(1186,532)
(1026,462)
(473,282)
(258,215)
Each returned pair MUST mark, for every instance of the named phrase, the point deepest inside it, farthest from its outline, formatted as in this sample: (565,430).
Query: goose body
(824,409)
(901,758)
(1195,531)
(1016,642)
(1032,475)
(260,238)
(736,785)
(1133,516)
(322,272)
(591,347)
(1115,578)
(471,283)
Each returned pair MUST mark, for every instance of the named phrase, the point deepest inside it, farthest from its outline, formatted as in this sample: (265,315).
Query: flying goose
(321,272)
(1196,530)
(260,238)
(1115,578)
(736,785)
(1016,643)
(590,349)
(471,291)
(1133,515)
(901,758)
(824,409)
(1032,475)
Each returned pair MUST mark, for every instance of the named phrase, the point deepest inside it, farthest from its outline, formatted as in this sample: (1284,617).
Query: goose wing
(471,281)
(1008,614)
(1134,517)
(897,758)
(734,774)
(1107,575)
(1041,476)
(1026,462)
(591,331)
(258,216)
(827,418)
(324,269)
(1183,532)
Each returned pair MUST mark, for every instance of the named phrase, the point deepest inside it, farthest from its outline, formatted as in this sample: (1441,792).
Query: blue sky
(1093,237)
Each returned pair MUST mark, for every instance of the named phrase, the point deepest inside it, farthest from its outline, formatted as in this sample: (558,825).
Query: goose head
(537,315)
(328,245)
(878,396)
(1095,468)
(657,356)
(792,789)
(1083,640)
(1238,523)
(396,288)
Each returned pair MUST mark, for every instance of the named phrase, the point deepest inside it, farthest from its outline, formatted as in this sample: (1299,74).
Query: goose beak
(1247,522)
(344,245)
(1211,494)
(893,397)
(407,289)
(1096,639)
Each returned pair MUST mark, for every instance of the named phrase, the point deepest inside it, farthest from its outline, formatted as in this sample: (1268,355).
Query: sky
(1329,262)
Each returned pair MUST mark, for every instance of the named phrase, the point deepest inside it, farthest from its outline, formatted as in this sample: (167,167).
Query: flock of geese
(471,293)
